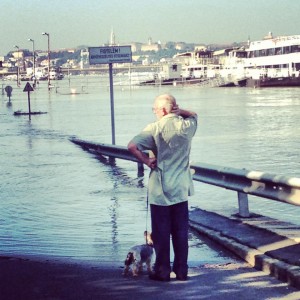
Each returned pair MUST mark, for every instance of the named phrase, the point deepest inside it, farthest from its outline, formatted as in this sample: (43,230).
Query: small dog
(138,255)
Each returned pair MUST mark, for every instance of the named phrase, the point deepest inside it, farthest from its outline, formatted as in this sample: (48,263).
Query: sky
(72,23)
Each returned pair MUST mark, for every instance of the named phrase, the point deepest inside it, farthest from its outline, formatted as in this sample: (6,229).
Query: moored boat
(172,74)
(271,62)
(274,82)
(274,57)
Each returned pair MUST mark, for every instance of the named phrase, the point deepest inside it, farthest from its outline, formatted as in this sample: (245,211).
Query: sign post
(112,105)
(109,55)
(28,88)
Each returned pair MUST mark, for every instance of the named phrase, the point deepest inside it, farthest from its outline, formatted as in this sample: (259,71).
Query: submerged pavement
(262,242)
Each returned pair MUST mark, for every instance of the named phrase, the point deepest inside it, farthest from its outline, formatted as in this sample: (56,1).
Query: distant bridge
(100,69)
(116,67)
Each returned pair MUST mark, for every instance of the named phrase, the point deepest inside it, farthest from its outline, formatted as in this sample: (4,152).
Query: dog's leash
(147,211)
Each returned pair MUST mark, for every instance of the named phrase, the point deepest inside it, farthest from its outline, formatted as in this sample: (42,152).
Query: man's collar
(170,115)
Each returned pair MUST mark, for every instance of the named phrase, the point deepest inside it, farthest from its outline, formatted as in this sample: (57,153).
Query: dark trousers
(170,221)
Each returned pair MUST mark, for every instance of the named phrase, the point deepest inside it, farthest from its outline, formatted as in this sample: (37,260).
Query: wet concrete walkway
(22,280)
(263,242)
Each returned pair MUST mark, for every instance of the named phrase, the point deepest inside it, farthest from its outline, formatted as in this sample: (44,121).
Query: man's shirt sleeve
(145,140)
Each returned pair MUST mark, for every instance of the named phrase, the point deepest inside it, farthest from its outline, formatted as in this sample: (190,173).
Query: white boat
(41,73)
(56,74)
(274,58)
(194,71)
(231,64)
(174,73)
(268,62)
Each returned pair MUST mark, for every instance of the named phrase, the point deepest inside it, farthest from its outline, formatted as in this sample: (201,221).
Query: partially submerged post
(28,88)
(8,90)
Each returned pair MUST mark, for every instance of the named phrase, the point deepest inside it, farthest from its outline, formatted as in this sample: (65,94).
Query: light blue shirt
(170,140)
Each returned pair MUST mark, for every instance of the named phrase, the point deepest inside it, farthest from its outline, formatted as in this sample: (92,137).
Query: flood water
(61,202)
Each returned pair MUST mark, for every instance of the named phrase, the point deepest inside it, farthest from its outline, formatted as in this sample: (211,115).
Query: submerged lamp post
(18,68)
(48,35)
(33,51)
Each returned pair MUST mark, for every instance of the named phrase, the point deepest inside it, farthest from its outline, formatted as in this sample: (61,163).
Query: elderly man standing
(170,182)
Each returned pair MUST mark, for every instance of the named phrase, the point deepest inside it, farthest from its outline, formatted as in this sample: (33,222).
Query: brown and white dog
(139,255)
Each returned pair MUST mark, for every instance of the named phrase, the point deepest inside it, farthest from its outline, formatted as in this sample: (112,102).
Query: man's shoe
(154,276)
(181,278)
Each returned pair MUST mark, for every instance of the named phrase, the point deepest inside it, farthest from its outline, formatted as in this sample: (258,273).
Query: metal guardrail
(244,182)
(106,149)
(112,151)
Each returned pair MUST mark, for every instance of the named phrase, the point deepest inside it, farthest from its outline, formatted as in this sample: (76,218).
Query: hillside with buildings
(27,61)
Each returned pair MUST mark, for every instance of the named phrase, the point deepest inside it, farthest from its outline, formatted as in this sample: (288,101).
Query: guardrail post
(112,160)
(140,169)
(243,205)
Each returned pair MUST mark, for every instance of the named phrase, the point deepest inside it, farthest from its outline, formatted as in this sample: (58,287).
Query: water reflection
(118,175)
(119,179)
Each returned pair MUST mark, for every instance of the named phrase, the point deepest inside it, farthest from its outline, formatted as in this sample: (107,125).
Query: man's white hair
(165,101)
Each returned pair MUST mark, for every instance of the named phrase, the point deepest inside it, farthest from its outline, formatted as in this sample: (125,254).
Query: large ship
(273,61)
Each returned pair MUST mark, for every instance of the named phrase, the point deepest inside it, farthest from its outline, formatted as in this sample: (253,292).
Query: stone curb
(279,269)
